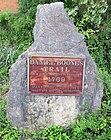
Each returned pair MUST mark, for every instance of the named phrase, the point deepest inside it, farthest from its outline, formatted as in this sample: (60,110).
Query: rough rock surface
(54,35)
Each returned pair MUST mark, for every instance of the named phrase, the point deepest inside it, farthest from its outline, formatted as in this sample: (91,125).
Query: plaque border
(46,56)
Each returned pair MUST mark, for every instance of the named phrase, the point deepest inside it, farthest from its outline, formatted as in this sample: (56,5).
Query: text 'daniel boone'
(55,75)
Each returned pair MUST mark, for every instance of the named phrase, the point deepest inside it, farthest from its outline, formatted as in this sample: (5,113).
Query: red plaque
(55,75)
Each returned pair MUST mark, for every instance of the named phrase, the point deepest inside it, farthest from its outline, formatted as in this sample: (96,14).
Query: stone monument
(53,81)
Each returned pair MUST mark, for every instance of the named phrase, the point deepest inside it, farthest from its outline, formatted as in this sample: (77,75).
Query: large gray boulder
(54,35)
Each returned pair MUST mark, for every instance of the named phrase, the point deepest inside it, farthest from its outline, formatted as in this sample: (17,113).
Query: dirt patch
(8,5)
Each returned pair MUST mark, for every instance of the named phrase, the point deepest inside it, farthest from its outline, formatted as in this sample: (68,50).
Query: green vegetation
(93,19)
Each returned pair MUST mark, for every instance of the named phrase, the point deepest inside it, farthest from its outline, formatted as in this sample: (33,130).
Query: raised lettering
(51,69)
(57,69)
(32,62)
(46,69)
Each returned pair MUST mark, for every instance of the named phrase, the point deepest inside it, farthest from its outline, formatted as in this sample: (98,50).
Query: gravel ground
(8,5)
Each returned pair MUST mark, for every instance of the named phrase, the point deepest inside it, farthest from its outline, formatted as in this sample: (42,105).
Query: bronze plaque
(55,75)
